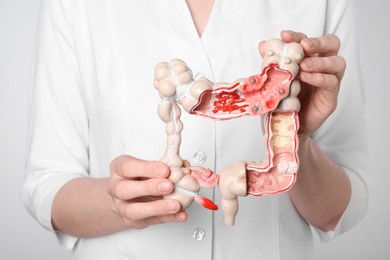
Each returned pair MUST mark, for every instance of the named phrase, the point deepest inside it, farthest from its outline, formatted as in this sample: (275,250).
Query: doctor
(93,175)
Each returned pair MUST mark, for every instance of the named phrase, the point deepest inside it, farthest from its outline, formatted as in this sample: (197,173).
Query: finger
(178,217)
(327,82)
(127,190)
(129,167)
(327,45)
(292,36)
(138,211)
(329,65)
(261,48)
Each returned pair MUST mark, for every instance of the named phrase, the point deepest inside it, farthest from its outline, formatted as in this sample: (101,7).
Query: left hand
(321,73)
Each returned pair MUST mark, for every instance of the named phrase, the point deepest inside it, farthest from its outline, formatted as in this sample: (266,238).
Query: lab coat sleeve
(57,147)
(343,137)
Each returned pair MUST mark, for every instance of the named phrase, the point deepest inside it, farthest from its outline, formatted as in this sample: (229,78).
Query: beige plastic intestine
(187,180)
(275,87)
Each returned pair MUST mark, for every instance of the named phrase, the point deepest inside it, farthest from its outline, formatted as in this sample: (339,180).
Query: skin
(132,196)
(200,11)
(323,190)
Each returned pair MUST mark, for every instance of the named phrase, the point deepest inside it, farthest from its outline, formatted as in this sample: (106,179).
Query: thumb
(261,48)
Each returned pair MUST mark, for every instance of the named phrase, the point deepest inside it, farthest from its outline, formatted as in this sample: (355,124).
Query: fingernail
(172,206)
(308,63)
(181,216)
(307,44)
(164,186)
(161,171)
(310,44)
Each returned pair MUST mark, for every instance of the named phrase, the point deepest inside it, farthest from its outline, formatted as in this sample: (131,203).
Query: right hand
(137,188)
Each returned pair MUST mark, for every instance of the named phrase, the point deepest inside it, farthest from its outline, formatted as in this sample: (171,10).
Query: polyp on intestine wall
(273,92)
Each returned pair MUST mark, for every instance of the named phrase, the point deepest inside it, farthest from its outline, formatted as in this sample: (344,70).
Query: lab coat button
(199,157)
(198,234)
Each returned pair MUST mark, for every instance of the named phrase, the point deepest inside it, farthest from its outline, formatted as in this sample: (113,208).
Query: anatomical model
(272,93)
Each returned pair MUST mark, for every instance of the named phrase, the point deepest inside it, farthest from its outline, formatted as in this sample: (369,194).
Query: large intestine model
(272,93)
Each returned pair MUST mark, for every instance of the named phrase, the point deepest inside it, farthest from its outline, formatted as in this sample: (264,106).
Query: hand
(137,187)
(321,73)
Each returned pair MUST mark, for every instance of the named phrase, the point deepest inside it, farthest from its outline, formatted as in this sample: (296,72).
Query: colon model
(272,93)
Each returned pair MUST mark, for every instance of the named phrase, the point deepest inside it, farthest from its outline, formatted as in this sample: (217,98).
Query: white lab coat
(93,99)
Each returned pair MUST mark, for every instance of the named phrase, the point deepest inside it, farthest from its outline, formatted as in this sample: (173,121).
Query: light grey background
(22,238)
